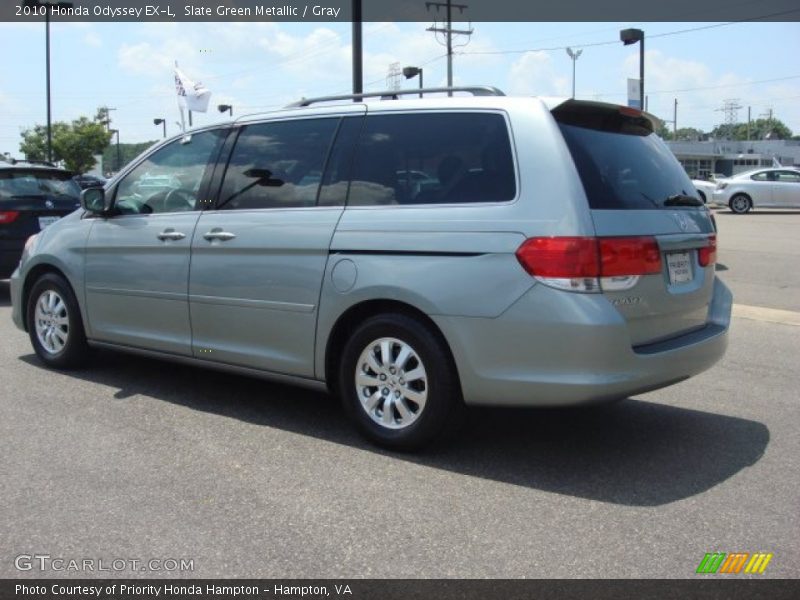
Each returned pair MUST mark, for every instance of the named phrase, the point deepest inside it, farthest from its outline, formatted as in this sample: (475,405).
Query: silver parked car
(760,188)
(557,255)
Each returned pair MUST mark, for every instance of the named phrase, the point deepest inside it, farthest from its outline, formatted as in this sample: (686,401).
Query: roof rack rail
(44,163)
(475,90)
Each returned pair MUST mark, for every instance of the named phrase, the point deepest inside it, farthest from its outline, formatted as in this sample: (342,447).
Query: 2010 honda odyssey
(544,253)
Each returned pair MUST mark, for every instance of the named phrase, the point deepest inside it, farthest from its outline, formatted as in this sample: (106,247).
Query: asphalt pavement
(135,459)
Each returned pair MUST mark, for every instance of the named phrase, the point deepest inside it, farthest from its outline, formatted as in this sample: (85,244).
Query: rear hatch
(32,199)
(648,215)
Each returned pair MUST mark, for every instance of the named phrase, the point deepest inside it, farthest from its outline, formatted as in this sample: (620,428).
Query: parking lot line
(771,315)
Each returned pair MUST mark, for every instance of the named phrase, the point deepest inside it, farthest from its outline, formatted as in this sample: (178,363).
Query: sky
(258,67)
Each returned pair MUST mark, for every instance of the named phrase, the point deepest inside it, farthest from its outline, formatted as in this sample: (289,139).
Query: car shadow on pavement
(634,452)
(5,293)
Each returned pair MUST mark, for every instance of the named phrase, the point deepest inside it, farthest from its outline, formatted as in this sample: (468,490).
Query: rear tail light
(8,216)
(708,255)
(588,264)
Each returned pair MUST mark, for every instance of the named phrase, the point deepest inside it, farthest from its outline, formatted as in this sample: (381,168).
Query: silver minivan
(546,253)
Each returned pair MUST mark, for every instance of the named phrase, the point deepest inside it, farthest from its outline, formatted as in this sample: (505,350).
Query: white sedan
(767,188)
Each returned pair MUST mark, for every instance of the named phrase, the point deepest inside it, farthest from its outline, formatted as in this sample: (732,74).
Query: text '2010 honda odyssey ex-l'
(410,255)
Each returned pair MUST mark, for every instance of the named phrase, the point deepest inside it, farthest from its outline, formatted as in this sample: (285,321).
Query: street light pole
(409,72)
(47,4)
(161,122)
(47,70)
(574,55)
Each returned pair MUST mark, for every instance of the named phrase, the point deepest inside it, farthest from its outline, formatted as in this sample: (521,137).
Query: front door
(137,261)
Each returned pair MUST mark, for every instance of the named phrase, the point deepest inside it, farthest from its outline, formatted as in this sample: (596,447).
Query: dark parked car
(89,181)
(32,196)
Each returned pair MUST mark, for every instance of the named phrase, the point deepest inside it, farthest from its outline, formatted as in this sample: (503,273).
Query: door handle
(171,234)
(218,234)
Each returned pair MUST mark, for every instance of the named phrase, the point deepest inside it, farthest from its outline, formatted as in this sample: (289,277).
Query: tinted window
(433,158)
(169,179)
(277,165)
(623,166)
(340,163)
(15,183)
(787,176)
(764,176)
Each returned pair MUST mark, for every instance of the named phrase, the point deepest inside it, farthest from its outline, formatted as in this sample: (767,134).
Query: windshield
(625,170)
(37,183)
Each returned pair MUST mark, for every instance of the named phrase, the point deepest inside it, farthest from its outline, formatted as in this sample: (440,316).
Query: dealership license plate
(46,221)
(680,267)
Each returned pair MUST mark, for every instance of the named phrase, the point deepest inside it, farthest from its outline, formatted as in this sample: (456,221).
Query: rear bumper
(555,348)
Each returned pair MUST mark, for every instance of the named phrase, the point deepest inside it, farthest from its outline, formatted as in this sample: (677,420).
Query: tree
(127,152)
(760,129)
(74,143)
(662,131)
(689,134)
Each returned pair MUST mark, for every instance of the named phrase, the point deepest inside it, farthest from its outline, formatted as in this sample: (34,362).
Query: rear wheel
(398,383)
(740,204)
(54,323)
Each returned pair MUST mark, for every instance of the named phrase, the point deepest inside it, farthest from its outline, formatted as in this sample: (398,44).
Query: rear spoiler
(577,112)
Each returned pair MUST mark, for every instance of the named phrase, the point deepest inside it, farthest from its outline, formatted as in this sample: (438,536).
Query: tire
(423,406)
(54,323)
(740,204)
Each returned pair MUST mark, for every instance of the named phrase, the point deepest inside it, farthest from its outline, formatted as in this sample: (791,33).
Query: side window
(763,176)
(788,176)
(169,179)
(433,158)
(277,165)
(340,162)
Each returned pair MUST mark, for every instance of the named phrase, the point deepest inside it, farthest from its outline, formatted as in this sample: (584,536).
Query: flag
(192,96)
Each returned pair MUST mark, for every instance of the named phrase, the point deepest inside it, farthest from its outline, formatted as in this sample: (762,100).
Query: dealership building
(701,159)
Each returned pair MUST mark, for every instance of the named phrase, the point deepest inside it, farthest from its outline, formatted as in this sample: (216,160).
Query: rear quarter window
(433,158)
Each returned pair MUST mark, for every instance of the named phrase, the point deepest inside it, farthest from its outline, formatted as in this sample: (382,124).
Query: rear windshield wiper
(683,200)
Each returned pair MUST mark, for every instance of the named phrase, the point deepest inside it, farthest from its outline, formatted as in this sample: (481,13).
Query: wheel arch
(348,320)
(32,277)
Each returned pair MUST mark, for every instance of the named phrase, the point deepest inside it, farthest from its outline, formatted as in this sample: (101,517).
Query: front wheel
(740,204)
(54,323)
(398,383)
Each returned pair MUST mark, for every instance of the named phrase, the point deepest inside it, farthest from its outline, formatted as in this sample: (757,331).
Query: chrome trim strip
(138,293)
(247,303)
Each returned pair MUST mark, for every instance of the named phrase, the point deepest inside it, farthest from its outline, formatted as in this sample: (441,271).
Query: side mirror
(94,200)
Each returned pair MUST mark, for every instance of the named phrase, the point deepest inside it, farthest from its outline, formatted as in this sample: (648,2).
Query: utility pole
(106,112)
(675,120)
(448,32)
(748,123)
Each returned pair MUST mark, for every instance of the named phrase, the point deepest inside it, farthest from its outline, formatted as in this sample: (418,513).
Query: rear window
(16,183)
(625,167)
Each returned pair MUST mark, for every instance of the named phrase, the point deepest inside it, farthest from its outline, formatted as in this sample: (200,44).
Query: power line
(649,36)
